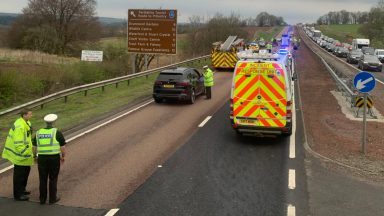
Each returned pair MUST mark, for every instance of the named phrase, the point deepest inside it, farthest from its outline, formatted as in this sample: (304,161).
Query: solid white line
(292,179)
(292,138)
(94,128)
(112,212)
(291,211)
(6,169)
(109,121)
(205,121)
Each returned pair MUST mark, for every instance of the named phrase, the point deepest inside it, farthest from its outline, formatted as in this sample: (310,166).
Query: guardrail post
(117,85)
(85,93)
(41,106)
(102,88)
(65,99)
(127,82)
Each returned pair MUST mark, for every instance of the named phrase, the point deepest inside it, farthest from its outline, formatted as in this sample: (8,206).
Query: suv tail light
(183,84)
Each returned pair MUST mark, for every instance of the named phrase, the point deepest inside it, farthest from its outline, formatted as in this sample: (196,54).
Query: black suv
(181,83)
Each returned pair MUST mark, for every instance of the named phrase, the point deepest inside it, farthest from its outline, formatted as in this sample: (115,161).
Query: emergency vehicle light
(250,55)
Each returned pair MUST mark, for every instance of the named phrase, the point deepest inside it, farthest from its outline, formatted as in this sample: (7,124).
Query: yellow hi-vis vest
(46,142)
(18,146)
(208,77)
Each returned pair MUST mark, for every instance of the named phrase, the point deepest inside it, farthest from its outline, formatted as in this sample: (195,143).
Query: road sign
(360,102)
(91,55)
(152,31)
(364,82)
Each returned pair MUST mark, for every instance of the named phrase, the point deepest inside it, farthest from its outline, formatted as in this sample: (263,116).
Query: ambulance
(262,94)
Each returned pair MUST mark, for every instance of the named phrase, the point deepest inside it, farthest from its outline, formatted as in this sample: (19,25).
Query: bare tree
(66,20)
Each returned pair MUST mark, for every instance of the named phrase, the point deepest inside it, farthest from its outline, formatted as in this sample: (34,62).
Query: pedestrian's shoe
(22,198)
(54,201)
(27,192)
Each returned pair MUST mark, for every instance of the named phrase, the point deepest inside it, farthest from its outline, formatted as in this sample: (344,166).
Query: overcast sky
(293,11)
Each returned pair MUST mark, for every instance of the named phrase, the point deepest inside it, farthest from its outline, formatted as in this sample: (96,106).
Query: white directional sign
(364,82)
(91,55)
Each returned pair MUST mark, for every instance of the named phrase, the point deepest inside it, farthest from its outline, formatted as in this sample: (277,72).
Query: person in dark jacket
(49,147)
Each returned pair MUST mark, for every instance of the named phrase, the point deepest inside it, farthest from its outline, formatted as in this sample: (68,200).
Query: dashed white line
(291,211)
(112,212)
(292,179)
(205,121)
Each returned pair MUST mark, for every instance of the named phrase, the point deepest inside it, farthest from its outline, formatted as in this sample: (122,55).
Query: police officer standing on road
(208,81)
(49,146)
(18,150)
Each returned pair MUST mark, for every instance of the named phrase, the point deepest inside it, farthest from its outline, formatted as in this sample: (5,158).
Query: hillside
(6,19)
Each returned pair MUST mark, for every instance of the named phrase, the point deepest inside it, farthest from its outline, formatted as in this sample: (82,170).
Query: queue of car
(366,58)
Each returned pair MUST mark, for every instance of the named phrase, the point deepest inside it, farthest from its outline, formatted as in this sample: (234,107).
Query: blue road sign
(364,82)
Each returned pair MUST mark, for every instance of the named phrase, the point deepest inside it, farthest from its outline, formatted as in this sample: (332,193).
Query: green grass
(267,35)
(80,108)
(343,33)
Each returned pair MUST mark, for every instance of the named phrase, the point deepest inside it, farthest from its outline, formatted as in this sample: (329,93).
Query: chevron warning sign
(360,102)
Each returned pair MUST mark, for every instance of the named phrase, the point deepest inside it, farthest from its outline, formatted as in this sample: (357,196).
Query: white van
(358,43)
(380,54)
(262,94)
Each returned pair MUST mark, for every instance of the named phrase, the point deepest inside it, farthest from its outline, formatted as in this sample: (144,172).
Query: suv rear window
(170,75)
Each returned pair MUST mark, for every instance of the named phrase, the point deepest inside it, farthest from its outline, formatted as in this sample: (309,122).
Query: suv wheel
(193,97)
(158,100)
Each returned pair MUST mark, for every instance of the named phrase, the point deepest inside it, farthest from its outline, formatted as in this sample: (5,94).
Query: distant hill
(111,21)
(6,19)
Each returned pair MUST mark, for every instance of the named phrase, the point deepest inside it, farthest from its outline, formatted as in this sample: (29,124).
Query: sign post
(364,82)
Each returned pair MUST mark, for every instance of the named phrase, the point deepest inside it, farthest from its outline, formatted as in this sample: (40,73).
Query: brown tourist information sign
(152,31)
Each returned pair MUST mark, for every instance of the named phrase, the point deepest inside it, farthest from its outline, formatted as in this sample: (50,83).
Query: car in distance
(369,62)
(182,84)
(341,52)
(353,56)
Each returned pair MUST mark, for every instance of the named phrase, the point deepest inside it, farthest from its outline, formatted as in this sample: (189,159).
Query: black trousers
(20,179)
(208,92)
(49,168)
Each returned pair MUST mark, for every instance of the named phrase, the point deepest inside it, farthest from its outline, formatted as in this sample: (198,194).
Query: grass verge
(80,108)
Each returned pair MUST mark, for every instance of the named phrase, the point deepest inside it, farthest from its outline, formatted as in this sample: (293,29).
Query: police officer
(208,81)
(269,48)
(18,150)
(49,145)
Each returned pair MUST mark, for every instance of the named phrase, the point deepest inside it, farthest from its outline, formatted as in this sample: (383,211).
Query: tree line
(343,17)
(372,22)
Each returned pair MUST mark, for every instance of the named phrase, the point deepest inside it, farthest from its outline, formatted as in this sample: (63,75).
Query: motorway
(180,159)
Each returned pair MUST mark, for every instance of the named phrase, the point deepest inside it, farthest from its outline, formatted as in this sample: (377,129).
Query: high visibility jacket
(269,46)
(46,142)
(18,146)
(208,77)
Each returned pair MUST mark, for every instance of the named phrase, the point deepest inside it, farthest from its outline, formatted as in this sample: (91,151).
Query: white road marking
(292,179)
(291,211)
(112,212)
(292,138)
(94,128)
(205,121)
(6,169)
(109,121)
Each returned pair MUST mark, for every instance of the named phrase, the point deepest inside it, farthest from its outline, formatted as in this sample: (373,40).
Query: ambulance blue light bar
(283,52)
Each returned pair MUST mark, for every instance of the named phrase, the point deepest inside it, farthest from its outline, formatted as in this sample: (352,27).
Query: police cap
(50,118)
